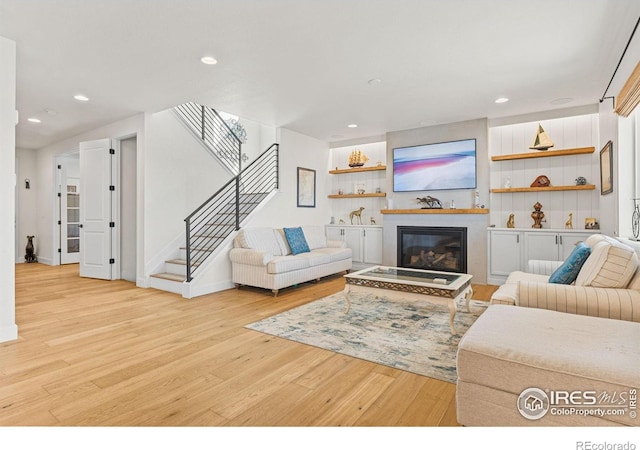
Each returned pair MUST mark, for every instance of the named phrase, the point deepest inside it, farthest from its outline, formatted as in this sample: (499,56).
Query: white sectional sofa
(262,257)
(550,354)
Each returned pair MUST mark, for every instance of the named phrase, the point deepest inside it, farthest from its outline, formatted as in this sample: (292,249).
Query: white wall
(627,154)
(26,208)
(128,208)
(8,327)
(476,224)
(565,132)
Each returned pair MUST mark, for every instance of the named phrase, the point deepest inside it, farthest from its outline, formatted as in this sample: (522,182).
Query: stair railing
(214,132)
(220,215)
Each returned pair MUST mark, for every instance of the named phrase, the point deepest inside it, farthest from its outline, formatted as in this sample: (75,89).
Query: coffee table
(412,284)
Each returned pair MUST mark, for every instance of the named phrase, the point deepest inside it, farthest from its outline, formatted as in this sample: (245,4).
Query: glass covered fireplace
(433,248)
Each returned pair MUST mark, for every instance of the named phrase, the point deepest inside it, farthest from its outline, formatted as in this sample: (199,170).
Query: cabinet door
(372,245)
(505,252)
(353,238)
(568,241)
(541,245)
(334,233)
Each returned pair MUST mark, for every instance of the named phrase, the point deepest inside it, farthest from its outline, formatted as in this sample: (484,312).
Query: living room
(162,206)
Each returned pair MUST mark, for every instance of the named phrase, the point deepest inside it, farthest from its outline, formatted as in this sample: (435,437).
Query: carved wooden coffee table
(412,284)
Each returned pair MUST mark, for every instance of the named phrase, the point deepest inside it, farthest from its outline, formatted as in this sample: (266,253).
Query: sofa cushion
(281,264)
(295,238)
(611,264)
(316,258)
(335,253)
(282,242)
(508,292)
(259,238)
(568,271)
(635,280)
(315,236)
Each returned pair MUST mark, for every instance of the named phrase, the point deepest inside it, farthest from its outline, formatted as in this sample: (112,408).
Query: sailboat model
(542,141)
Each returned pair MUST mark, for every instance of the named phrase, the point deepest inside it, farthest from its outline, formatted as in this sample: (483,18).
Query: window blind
(629,95)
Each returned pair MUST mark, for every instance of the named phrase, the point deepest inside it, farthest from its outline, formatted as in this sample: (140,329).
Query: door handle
(79,225)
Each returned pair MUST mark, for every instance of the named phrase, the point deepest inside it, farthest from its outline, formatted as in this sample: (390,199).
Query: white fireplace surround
(476,225)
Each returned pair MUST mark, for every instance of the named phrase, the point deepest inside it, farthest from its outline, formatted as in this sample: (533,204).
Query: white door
(99,207)
(70,222)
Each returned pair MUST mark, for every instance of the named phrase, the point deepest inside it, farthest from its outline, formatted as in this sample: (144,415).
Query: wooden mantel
(436,211)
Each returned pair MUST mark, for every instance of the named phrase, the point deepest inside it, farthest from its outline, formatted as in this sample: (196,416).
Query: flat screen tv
(435,167)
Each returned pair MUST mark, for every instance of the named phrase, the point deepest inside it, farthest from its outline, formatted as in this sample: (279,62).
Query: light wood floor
(106,353)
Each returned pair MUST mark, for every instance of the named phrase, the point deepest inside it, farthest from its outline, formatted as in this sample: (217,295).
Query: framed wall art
(606,169)
(306,188)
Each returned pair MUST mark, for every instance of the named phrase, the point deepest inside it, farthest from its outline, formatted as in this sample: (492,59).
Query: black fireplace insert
(433,248)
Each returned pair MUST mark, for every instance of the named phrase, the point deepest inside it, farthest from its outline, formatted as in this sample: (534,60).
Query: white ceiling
(305,64)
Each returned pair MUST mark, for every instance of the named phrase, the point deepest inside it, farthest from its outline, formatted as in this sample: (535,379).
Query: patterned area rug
(411,336)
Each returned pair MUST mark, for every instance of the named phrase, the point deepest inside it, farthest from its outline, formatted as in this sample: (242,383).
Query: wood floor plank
(105,353)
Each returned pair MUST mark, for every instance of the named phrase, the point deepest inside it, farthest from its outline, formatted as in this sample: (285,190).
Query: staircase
(215,222)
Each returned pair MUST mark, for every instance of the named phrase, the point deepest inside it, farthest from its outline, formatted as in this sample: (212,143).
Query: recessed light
(502,100)
(352,125)
(34,120)
(209,60)
(51,112)
(374,81)
(81,98)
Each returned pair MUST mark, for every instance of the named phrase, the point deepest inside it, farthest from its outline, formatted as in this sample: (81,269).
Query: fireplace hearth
(433,248)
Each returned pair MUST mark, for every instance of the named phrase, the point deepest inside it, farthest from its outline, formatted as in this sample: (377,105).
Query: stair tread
(177,261)
(169,276)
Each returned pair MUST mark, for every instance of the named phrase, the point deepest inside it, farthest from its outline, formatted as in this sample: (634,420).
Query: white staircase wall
(179,175)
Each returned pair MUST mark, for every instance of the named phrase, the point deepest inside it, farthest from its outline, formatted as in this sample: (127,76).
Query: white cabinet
(364,241)
(510,248)
(505,252)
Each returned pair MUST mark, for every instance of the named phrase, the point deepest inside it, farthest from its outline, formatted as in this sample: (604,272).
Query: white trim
(9,333)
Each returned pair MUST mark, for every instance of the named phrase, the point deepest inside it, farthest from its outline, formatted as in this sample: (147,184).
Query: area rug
(411,336)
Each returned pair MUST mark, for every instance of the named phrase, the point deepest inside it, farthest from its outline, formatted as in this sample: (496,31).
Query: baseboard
(47,261)
(8,333)
(190,291)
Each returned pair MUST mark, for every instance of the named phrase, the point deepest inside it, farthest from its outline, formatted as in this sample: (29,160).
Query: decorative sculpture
(30,251)
(537,215)
(541,181)
(429,202)
(357,159)
(373,221)
(541,141)
(511,223)
(581,181)
(569,223)
(357,214)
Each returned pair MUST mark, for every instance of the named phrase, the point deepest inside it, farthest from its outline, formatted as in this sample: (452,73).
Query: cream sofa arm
(542,267)
(336,244)
(250,257)
(621,304)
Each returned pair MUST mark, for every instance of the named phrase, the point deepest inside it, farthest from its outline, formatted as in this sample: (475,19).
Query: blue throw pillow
(568,271)
(295,238)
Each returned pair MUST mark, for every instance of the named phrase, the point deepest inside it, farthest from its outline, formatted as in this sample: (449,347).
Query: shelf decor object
(357,158)
(541,141)
(606,169)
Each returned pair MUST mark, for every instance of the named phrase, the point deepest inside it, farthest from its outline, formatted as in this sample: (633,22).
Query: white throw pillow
(611,264)
(314,236)
(592,240)
(261,239)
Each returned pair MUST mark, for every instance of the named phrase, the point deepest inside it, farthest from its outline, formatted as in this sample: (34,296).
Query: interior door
(99,207)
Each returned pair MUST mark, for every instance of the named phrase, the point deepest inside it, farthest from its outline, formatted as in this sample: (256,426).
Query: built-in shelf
(583,187)
(545,154)
(436,211)
(358,169)
(372,194)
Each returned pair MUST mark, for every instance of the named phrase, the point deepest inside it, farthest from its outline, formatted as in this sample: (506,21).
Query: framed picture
(606,169)
(306,188)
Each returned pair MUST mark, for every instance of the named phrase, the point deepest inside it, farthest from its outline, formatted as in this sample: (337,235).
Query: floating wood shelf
(545,154)
(358,169)
(584,187)
(372,194)
(436,211)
